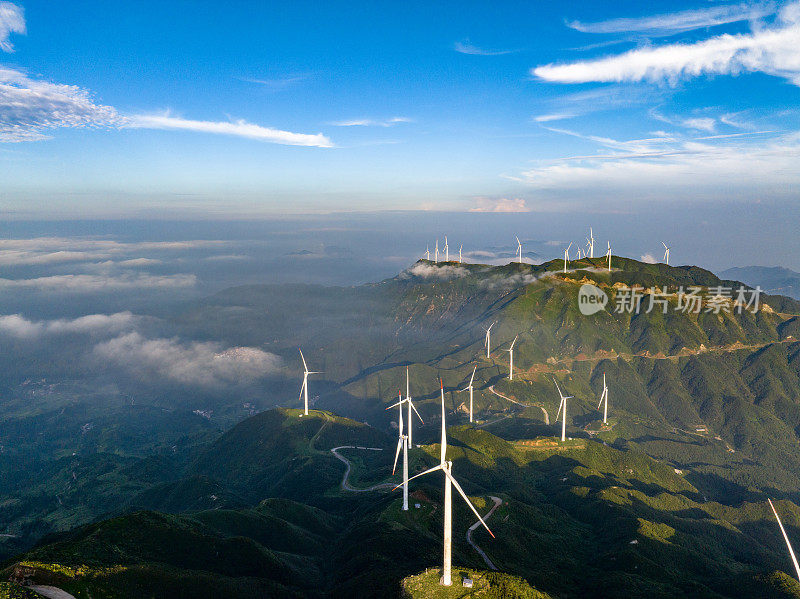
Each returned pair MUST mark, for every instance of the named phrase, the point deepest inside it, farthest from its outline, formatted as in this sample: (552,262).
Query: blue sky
(124,108)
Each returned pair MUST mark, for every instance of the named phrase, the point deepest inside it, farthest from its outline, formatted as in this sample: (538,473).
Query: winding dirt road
(345,486)
(524,405)
(497,503)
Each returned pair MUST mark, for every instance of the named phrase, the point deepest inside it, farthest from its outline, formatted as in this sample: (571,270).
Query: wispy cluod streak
(372,122)
(12,20)
(31,108)
(466,47)
(772,50)
(100,283)
(676,22)
(238,128)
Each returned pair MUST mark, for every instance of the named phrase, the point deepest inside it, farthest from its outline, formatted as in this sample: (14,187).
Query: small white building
(466,582)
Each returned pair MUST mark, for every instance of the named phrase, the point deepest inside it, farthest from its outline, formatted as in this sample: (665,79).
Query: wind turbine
(608,255)
(304,388)
(563,404)
(510,351)
(428,253)
(459,252)
(666,253)
(604,397)
(489,339)
(437,251)
(590,243)
(785,538)
(402,442)
(410,407)
(449,482)
(566,257)
(519,251)
(469,388)
(446,250)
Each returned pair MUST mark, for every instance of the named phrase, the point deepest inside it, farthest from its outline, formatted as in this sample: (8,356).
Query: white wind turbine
(488,341)
(786,538)
(410,407)
(566,257)
(304,388)
(519,251)
(563,405)
(446,250)
(666,253)
(428,253)
(604,398)
(449,482)
(510,351)
(459,252)
(437,251)
(590,243)
(608,255)
(469,388)
(402,443)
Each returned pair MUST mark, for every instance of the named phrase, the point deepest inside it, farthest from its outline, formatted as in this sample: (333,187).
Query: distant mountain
(772,279)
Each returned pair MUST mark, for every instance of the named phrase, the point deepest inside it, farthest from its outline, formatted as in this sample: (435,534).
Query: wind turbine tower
(488,341)
(428,253)
(510,351)
(459,252)
(402,442)
(562,405)
(446,250)
(449,483)
(469,388)
(566,257)
(590,243)
(608,255)
(304,388)
(436,252)
(666,253)
(519,251)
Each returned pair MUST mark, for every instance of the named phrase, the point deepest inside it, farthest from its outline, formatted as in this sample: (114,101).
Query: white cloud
(648,259)
(12,20)
(108,246)
(100,283)
(558,116)
(687,20)
(435,271)
(17,325)
(29,258)
(702,124)
(239,128)
(715,167)
(500,205)
(466,47)
(30,107)
(373,122)
(771,50)
(197,364)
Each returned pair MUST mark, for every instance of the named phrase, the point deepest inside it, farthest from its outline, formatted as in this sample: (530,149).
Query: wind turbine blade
(559,408)
(413,407)
(469,503)
(408,385)
(428,471)
(302,357)
(397,453)
(569,246)
(472,378)
(785,538)
(602,397)
(302,388)
(394,405)
(561,395)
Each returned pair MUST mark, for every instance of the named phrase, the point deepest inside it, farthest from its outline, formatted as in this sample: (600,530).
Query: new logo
(591,299)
